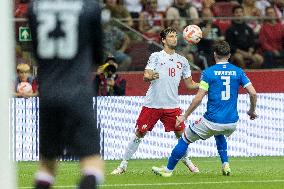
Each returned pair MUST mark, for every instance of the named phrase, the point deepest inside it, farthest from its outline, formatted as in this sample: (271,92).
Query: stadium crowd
(253,28)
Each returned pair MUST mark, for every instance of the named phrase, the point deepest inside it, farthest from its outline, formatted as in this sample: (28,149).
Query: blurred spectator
(151,22)
(116,42)
(198,4)
(261,5)
(118,11)
(134,7)
(271,39)
(25,85)
(279,8)
(108,82)
(21,9)
(163,5)
(250,10)
(211,33)
(183,11)
(207,4)
(242,41)
(223,9)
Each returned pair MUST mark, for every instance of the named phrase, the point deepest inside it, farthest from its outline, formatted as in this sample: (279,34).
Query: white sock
(45,177)
(95,172)
(132,147)
(225,163)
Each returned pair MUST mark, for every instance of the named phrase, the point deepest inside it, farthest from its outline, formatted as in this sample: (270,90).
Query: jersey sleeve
(186,72)
(152,62)
(244,80)
(204,81)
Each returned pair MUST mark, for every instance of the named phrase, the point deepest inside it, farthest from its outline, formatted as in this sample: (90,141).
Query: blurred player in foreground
(164,71)
(67,43)
(222,82)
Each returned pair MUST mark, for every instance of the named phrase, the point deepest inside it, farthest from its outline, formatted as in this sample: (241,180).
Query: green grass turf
(251,173)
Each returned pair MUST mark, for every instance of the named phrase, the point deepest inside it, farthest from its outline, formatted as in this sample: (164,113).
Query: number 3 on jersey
(225,95)
(64,46)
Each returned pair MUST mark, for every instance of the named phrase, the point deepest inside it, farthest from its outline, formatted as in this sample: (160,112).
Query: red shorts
(149,116)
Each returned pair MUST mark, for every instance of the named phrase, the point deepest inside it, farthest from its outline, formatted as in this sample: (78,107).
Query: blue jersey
(223,81)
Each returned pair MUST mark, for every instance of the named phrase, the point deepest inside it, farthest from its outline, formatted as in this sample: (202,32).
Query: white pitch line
(174,184)
(110,162)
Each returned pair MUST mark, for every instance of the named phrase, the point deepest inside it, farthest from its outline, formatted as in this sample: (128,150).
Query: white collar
(222,63)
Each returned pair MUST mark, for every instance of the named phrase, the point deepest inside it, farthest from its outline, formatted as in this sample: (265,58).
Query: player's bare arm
(190,84)
(150,75)
(253,98)
(194,104)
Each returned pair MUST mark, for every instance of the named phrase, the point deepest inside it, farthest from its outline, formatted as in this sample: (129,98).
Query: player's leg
(221,144)
(185,159)
(169,120)
(222,150)
(129,152)
(147,119)
(92,168)
(220,131)
(44,178)
(197,131)
(49,137)
(85,139)
(177,153)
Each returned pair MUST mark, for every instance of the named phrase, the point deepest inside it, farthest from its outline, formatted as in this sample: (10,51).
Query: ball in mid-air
(192,34)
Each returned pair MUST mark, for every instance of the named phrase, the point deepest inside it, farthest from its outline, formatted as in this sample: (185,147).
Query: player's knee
(140,134)
(179,133)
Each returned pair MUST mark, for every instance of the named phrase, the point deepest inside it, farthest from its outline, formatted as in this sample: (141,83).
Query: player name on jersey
(225,73)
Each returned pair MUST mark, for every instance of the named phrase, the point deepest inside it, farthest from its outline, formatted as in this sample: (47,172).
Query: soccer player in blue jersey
(221,82)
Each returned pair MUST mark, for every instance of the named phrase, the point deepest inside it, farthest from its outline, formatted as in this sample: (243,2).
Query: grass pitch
(247,173)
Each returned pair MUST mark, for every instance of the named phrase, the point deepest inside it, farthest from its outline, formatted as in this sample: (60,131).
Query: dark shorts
(68,125)
(149,116)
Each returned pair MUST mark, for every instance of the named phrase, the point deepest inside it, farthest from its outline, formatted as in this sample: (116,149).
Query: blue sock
(177,153)
(222,147)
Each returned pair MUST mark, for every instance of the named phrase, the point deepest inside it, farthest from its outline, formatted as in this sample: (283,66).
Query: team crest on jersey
(144,126)
(179,65)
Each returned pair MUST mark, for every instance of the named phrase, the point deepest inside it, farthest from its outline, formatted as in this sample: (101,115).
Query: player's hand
(155,76)
(179,120)
(252,114)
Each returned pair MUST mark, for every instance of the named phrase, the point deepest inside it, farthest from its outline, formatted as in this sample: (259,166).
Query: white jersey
(163,92)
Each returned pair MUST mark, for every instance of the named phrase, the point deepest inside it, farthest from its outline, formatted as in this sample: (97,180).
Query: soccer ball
(192,34)
(24,87)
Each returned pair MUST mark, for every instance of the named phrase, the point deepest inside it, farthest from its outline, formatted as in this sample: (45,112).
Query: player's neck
(169,50)
(221,60)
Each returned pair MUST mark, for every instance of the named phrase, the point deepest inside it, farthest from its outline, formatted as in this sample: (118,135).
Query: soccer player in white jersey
(164,71)
(222,82)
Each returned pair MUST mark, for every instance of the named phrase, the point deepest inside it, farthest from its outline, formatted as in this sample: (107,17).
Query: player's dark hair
(166,31)
(222,49)
(237,7)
